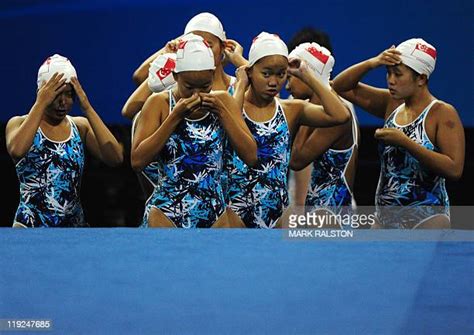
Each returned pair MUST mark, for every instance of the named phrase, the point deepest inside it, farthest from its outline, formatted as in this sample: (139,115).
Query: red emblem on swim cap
(166,69)
(426,49)
(318,55)
(182,44)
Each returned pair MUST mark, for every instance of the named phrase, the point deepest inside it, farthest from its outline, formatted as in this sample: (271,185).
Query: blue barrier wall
(106,40)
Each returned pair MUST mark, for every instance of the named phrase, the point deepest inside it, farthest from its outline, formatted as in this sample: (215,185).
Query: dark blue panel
(107,40)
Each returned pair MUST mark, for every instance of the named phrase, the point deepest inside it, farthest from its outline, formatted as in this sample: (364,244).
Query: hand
(212,103)
(172,46)
(298,68)
(388,57)
(186,106)
(49,90)
(81,95)
(241,73)
(233,52)
(391,136)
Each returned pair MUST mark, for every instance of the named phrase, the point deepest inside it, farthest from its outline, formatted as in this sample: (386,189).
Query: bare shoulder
(82,124)
(159,97)
(157,101)
(15,122)
(156,108)
(445,113)
(80,121)
(292,104)
(444,107)
(392,105)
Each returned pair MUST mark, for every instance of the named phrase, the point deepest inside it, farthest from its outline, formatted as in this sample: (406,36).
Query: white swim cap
(418,55)
(194,54)
(53,64)
(318,58)
(266,44)
(160,74)
(206,22)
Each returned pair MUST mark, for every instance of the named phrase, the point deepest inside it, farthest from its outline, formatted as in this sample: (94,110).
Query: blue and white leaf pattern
(259,195)
(50,179)
(189,192)
(408,192)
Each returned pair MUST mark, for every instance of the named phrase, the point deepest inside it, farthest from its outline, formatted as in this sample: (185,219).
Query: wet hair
(310,34)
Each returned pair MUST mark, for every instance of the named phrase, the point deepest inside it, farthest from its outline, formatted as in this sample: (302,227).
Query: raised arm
(448,162)
(374,100)
(152,134)
(331,112)
(20,131)
(141,73)
(98,138)
(234,53)
(304,152)
(136,101)
(241,85)
(230,116)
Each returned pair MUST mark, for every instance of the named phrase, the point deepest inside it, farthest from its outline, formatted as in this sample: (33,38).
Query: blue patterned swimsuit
(259,195)
(50,179)
(408,193)
(190,192)
(151,171)
(328,188)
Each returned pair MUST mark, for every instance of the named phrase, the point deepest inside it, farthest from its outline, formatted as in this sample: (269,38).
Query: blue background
(106,40)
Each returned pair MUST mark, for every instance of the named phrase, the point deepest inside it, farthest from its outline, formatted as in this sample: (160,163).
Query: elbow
(16,153)
(137,78)
(126,113)
(248,153)
(112,154)
(252,154)
(455,174)
(137,164)
(296,164)
(251,158)
(118,160)
(336,86)
(345,117)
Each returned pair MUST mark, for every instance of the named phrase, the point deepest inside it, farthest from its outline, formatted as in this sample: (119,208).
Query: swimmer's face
(62,104)
(216,45)
(297,88)
(403,81)
(268,76)
(190,82)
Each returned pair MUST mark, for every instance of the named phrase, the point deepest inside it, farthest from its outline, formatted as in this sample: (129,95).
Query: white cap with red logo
(160,74)
(206,22)
(318,58)
(193,54)
(53,64)
(418,55)
(266,44)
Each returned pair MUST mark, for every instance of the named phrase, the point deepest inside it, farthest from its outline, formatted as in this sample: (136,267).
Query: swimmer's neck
(419,100)
(256,99)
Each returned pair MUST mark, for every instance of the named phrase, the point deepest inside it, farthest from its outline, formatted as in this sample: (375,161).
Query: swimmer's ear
(249,71)
(422,79)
